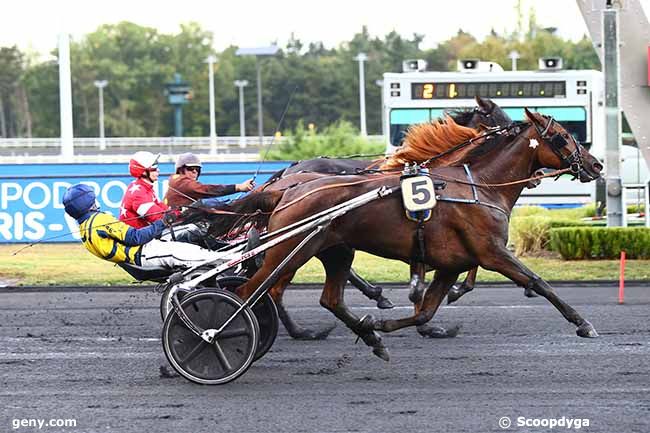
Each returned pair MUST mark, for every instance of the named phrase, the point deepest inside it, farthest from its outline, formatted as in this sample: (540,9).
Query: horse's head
(560,149)
(486,115)
(489,114)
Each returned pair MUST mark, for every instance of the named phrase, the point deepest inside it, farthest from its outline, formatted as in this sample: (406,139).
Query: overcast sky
(35,24)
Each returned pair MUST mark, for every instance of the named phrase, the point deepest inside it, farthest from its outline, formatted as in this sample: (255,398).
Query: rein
(498,185)
(322,188)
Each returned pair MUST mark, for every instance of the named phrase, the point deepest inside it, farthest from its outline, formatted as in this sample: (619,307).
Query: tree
(11,65)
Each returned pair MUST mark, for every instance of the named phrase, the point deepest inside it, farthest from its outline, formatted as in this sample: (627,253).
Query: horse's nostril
(598,167)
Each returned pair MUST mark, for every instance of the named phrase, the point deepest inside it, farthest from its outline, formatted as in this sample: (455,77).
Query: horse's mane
(462,116)
(425,140)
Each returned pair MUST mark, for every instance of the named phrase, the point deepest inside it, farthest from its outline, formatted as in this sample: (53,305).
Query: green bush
(601,243)
(340,139)
(530,234)
(565,214)
(523,211)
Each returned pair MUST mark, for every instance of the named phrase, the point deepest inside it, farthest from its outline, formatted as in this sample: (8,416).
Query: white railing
(118,149)
(55,143)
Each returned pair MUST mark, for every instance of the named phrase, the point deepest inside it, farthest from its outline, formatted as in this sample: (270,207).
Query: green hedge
(575,243)
(530,234)
(340,139)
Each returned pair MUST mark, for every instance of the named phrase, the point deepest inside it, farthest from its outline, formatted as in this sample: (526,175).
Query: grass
(71,264)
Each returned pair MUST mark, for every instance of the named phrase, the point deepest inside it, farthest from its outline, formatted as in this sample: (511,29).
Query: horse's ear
(481,102)
(531,116)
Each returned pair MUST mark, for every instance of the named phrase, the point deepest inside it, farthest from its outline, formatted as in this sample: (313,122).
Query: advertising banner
(31,194)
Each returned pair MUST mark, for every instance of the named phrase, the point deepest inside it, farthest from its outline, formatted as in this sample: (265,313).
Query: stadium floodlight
(362,57)
(258,52)
(242,115)
(100,84)
(213,129)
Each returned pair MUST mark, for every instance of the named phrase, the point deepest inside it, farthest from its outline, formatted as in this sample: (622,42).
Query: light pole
(380,83)
(65,97)
(213,129)
(362,57)
(100,84)
(514,55)
(242,114)
(259,52)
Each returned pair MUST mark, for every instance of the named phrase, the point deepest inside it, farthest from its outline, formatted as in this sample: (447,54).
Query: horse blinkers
(557,142)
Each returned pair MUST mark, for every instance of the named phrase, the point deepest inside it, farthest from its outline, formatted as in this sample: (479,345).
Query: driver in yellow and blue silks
(110,239)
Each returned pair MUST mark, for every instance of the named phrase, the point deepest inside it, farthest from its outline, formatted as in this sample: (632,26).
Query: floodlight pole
(65,97)
(213,129)
(259,52)
(100,84)
(260,119)
(242,114)
(362,57)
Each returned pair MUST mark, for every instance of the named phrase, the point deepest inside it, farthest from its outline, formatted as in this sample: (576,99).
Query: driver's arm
(130,236)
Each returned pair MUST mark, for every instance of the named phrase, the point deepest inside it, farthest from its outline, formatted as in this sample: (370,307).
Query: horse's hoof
(384,303)
(415,296)
(438,331)
(454,294)
(586,330)
(367,324)
(310,335)
(530,293)
(324,333)
(381,352)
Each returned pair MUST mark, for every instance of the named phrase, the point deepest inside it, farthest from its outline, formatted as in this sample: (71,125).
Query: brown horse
(442,135)
(468,228)
(486,115)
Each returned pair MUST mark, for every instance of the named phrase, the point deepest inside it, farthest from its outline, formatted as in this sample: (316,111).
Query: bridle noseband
(557,143)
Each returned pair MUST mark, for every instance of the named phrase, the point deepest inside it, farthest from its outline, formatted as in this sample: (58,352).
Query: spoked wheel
(265,311)
(166,302)
(231,352)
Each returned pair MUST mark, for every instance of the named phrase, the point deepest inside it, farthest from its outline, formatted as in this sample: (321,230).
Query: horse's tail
(253,209)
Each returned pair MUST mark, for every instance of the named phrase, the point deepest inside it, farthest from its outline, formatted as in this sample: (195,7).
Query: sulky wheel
(166,302)
(265,311)
(231,352)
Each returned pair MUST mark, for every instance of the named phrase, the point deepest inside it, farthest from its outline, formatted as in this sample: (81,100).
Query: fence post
(621,280)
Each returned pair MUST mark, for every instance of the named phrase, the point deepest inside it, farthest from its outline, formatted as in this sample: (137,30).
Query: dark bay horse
(468,228)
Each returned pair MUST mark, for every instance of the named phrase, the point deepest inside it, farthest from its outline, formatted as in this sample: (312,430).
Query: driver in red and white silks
(140,205)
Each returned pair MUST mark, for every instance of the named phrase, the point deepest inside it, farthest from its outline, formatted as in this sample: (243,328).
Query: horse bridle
(557,142)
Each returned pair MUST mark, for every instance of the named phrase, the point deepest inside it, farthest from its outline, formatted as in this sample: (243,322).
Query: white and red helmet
(141,162)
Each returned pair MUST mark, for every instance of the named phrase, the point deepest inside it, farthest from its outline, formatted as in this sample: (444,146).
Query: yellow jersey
(103,235)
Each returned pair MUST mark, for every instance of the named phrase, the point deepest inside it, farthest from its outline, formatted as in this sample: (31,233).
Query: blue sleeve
(142,236)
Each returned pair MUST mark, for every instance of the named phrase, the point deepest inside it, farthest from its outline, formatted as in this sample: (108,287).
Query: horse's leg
(467,286)
(442,281)
(504,262)
(293,328)
(337,262)
(371,292)
(416,284)
(456,292)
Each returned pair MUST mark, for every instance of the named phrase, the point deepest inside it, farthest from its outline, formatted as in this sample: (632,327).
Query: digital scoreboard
(494,89)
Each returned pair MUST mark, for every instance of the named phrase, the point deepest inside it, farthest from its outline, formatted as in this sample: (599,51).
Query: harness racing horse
(487,114)
(468,227)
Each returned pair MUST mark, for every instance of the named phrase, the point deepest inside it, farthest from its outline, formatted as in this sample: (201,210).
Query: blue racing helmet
(78,200)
